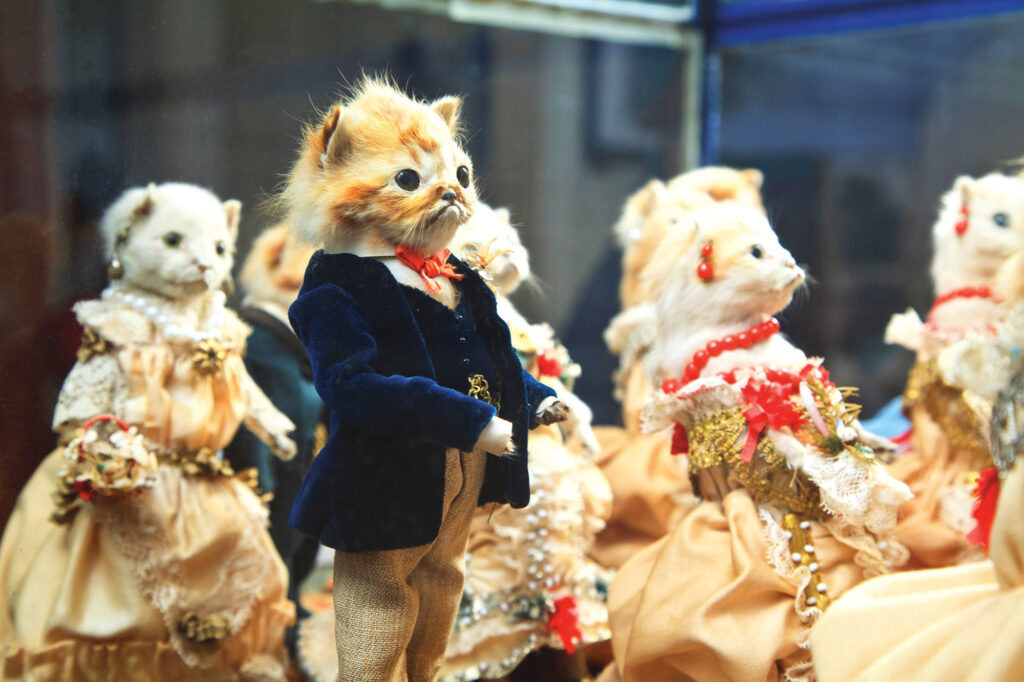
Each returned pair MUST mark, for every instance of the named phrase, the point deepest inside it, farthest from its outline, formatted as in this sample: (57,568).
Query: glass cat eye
(407,179)
(756,250)
(1001,219)
(172,239)
(220,248)
(462,175)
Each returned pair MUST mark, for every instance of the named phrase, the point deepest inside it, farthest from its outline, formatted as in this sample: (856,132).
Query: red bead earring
(704,270)
(961,225)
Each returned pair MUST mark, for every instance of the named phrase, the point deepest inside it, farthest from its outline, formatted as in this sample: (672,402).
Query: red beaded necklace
(714,348)
(980,291)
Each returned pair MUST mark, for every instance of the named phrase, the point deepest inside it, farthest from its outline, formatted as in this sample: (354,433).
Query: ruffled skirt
(933,524)
(706,602)
(179,582)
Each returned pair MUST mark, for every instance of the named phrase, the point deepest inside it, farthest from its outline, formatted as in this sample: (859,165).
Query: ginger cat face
(660,208)
(752,274)
(382,169)
(173,239)
(274,269)
(489,240)
(994,231)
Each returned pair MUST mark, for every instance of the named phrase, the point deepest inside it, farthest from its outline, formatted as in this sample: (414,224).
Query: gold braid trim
(946,406)
(717,440)
(802,553)
(203,462)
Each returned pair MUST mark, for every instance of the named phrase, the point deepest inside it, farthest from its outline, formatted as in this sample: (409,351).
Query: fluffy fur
(658,208)
(489,236)
(174,239)
(744,291)
(273,271)
(343,192)
(976,256)
(490,241)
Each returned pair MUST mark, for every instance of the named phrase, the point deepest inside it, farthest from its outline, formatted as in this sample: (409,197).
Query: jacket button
(462,339)
(465,361)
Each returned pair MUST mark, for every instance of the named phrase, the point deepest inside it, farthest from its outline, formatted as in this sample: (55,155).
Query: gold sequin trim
(203,629)
(92,345)
(946,406)
(208,356)
(717,440)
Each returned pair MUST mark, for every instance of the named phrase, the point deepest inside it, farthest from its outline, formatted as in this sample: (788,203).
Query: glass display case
(859,114)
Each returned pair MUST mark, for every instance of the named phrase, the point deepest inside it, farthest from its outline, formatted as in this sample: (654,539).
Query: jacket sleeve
(342,352)
(536,392)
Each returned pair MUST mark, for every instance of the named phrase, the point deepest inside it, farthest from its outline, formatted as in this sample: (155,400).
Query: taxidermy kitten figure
(174,574)
(795,506)
(411,358)
(977,237)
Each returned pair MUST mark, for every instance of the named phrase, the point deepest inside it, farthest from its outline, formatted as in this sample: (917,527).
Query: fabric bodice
(444,328)
(182,395)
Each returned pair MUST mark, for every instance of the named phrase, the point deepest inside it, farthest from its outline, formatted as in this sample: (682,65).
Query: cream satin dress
(961,623)
(111,593)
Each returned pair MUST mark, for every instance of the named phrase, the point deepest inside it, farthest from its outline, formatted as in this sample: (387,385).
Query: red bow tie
(429,268)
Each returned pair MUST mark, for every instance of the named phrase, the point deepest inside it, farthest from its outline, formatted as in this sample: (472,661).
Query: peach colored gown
(958,623)
(180,581)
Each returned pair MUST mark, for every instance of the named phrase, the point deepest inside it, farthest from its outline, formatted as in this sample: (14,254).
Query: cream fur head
(382,169)
(489,240)
(995,231)
(753,275)
(174,239)
(660,208)
(275,267)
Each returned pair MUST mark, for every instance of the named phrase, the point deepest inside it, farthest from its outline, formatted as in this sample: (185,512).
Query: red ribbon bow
(768,404)
(429,268)
(564,622)
(986,497)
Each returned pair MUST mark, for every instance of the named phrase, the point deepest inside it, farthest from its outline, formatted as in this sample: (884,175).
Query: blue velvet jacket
(379,481)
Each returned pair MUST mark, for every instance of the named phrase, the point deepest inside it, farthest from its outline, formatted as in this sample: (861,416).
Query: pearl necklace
(167,318)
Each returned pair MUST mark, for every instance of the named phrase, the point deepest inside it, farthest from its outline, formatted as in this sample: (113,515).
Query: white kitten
(754,277)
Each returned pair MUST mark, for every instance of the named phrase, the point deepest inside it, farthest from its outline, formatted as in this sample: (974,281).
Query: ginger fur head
(658,208)
(174,239)
(489,241)
(274,269)
(382,169)
(994,231)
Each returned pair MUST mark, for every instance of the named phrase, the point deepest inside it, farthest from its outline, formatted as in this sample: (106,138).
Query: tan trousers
(394,610)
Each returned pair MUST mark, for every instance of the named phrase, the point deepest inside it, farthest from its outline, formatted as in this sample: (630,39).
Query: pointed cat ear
(649,197)
(448,108)
(641,204)
(334,140)
(964,187)
(233,211)
(145,205)
(753,176)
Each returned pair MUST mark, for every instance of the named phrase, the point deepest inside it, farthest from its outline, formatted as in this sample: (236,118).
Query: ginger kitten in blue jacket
(429,405)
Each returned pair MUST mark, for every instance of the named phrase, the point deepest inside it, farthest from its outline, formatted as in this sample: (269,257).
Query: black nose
(449,196)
